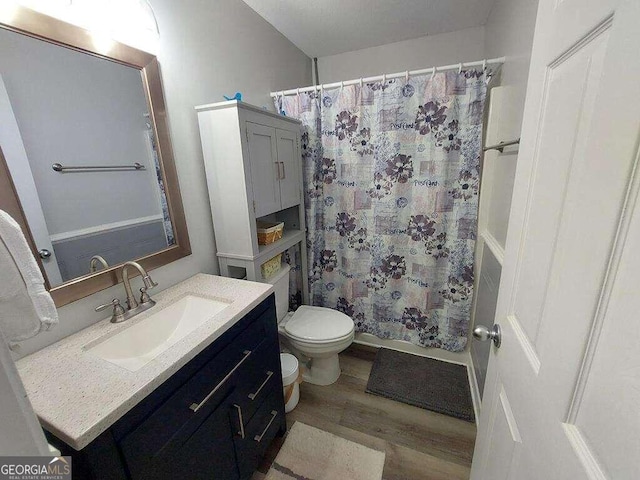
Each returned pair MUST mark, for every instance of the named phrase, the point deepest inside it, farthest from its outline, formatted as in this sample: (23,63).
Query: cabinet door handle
(284,174)
(252,396)
(239,409)
(274,414)
(278,169)
(196,406)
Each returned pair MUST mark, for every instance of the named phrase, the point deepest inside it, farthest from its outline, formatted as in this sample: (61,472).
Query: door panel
(264,168)
(567,370)
(615,367)
(504,440)
(571,85)
(290,169)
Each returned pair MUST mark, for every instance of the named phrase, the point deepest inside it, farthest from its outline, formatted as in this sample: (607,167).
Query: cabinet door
(208,454)
(264,168)
(289,168)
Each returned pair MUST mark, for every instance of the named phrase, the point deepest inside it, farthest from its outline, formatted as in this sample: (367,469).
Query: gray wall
(75,109)
(206,49)
(434,50)
(509,33)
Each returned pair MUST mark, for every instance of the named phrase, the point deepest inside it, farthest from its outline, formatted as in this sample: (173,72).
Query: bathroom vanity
(206,407)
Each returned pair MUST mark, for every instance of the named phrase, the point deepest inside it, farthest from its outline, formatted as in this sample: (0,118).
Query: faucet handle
(118,310)
(144,297)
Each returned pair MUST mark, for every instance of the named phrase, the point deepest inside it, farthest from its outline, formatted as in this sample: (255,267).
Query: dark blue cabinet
(213,419)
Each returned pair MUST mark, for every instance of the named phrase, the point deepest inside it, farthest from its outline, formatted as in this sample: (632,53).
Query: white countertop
(77,396)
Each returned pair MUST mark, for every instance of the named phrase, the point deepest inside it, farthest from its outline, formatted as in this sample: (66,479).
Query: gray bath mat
(424,382)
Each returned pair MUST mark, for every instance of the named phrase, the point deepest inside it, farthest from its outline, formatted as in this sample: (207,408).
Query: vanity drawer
(177,418)
(260,377)
(259,432)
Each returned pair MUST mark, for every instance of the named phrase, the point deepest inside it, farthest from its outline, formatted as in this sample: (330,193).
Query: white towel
(26,308)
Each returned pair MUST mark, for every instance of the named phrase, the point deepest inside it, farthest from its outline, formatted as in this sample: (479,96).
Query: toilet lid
(319,324)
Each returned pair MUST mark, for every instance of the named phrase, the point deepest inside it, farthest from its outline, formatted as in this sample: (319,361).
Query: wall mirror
(86,152)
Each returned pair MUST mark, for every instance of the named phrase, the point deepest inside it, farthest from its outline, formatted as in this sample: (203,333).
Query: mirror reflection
(80,149)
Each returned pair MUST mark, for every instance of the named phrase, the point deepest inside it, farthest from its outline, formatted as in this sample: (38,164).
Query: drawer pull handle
(241,432)
(258,438)
(284,174)
(278,168)
(196,406)
(252,396)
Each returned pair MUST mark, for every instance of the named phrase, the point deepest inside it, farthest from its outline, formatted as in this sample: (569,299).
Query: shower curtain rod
(408,73)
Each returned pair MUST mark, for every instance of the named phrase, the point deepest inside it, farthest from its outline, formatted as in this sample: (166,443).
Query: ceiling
(328,27)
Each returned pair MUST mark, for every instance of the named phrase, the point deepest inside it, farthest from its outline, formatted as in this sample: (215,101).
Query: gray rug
(424,382)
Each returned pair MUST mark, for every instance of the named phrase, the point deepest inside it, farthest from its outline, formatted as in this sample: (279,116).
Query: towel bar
(500,146)
(61,168)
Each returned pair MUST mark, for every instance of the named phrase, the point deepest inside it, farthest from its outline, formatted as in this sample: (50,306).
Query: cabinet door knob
(44,253)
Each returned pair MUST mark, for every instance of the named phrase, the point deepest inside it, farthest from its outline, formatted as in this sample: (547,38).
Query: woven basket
(269,232)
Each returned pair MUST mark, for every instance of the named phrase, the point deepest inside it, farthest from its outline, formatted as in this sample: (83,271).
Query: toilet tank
(280,282)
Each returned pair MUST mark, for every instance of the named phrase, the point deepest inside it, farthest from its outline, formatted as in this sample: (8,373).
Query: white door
(289,168)
(263,159)
(18,163)
(562,397)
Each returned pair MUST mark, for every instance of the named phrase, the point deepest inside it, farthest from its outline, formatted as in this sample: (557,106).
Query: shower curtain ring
(384,78)
(406,76)
(433,73)
(341,85)
(460,68)
(484,65)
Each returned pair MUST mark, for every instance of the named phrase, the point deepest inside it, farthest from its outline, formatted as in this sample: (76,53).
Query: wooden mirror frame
(37,25)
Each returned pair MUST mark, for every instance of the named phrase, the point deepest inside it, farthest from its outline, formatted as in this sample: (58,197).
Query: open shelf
(288,240)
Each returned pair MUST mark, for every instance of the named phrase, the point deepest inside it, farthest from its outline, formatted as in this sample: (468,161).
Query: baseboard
(475,390)
(460,358)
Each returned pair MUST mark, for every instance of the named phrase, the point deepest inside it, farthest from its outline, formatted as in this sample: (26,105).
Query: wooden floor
(419,444)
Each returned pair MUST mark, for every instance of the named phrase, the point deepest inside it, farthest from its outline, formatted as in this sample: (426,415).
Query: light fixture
(132,22)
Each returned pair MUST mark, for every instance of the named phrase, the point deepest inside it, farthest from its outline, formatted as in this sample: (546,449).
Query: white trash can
(291,387)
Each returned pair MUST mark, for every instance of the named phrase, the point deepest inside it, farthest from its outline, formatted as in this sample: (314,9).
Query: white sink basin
(137,345)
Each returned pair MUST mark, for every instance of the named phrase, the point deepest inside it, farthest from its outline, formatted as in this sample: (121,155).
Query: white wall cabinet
(272,153)
(253,168)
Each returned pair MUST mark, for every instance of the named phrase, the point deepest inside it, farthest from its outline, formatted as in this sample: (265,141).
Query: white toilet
(315,334)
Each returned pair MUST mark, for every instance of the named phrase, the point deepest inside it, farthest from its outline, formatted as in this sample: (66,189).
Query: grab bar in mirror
(61,168)
(500,146)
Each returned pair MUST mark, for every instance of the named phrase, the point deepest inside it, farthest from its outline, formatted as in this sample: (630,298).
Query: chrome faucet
(145,299)
(95,260)
(133,307)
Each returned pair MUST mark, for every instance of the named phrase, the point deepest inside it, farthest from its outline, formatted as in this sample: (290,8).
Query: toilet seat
(319,325)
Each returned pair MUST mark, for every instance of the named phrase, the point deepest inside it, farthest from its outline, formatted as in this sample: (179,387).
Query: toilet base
(322,371)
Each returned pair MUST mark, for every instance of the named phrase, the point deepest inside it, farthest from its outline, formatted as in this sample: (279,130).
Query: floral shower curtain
(391,172)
